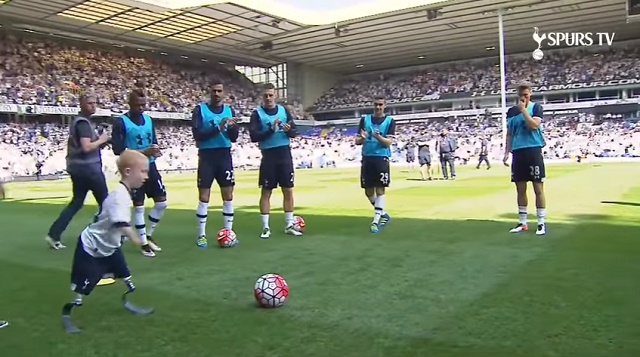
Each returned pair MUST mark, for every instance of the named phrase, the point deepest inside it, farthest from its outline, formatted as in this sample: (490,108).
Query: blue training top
(211,120)
(371,145)
(279,137)
(138,137)
(522,137)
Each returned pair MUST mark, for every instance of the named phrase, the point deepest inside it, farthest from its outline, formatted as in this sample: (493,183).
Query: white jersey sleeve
(102,237)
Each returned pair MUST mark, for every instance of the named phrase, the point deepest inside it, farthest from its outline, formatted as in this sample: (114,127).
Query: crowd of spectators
(51,73)
(26,147)
(33,71)
(56,73)
(559,67)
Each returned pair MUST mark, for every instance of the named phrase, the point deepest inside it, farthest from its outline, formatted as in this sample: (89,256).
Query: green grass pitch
(443,279)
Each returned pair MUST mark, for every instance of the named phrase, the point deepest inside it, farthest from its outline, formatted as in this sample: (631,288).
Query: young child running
(98,251)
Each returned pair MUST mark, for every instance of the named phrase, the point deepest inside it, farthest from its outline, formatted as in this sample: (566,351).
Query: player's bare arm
(507,144)
(507,148)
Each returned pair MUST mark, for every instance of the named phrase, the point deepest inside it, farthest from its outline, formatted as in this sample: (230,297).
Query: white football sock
(155,215)
(201,213)
(542,215)
(378,208)
(139,221)
(227,214)
(522,214)
(288,219)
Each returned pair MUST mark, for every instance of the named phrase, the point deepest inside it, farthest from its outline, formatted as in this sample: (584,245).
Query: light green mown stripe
(577,291)
(313,187)
(464,260)
(567,195)
(418,278)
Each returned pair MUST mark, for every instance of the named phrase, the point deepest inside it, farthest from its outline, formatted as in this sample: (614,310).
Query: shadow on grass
(404,292)
(432,179)
(37,199)
(620,203)
(253,208)
(583,218)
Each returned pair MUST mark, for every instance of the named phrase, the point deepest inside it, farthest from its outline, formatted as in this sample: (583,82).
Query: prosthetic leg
(68,325)
(131,307)
(71,328)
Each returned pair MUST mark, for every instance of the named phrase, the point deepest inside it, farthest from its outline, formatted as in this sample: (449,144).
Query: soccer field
(443,279)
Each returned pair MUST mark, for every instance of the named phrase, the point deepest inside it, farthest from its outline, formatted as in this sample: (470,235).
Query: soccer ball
(298,224)
(227,238)
(271,290)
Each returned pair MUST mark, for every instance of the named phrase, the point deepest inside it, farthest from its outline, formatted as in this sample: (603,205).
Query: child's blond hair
(129,158)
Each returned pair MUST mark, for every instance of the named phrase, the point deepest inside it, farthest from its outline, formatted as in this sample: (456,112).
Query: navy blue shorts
(152,188)
(276,171)
(527,165)
(88,270)
(215,165)
(375,172)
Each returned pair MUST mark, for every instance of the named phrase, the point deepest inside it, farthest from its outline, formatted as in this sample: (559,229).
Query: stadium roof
(219,30)
(452,30)
(267,33)
(326,12)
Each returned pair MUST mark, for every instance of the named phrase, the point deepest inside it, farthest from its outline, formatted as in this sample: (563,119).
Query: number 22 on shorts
(230,176)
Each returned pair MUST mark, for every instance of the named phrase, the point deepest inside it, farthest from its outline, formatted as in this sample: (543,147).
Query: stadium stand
(33,72)
(559,67)
(52,73)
